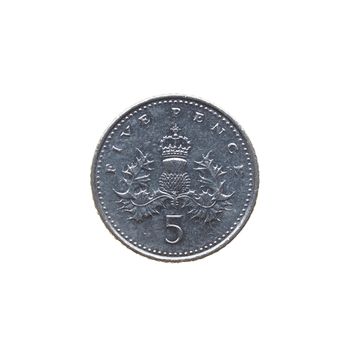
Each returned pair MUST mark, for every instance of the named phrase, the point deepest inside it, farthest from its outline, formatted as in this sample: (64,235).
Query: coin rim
(167,258)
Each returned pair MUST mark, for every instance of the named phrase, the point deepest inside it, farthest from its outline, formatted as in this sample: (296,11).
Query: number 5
(171,222)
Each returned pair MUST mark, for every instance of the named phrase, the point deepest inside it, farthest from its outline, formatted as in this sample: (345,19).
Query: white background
(280,68)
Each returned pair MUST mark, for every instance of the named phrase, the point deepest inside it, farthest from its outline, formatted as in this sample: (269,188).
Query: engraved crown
(175,145)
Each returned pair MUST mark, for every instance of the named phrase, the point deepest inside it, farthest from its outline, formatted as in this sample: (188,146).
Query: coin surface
(175,178)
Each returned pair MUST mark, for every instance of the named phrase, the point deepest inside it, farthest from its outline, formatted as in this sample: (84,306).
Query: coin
(175,178)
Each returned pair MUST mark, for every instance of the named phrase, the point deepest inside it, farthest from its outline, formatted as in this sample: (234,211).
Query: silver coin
(175,178)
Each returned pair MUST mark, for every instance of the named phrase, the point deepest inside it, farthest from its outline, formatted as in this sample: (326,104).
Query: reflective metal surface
(175,178)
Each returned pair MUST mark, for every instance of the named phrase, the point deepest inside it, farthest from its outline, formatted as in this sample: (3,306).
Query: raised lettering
(172,222)
(110,169)
(198,117)
(175,110)
(145,119)
(126,132)
(232,147)
(219,128)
